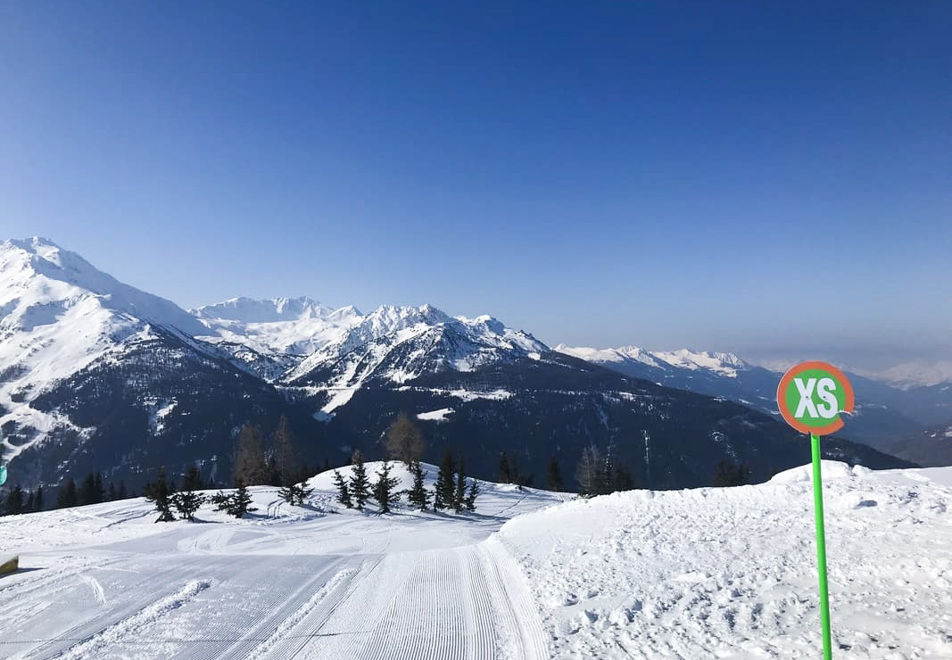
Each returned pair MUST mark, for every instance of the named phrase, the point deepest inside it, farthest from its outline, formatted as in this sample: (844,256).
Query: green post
(821,549)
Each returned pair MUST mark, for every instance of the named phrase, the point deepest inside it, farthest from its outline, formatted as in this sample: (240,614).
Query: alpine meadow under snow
(693,574)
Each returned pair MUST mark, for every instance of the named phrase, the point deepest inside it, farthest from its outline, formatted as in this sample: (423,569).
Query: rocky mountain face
(96,375)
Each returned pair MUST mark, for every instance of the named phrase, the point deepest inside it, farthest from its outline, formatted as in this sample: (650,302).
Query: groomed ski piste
(694,574)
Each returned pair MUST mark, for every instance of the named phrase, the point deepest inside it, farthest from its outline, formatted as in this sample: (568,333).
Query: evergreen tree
(111,493)
(471,495)
(505,470)
(343,491)
(327,465)
(221,501)
(383,488)
(731,474)
(623,479)
(404,440)
(553,478)
(295,493)
(418,495)
(444,488)
(248,466)
(459,493)
(187,502)
(160,494)
(240,502)
(38,499)
(359,484)
(286,460)
(91,491)
(28,507)
(589,471)
(67,497)
(14,504)
(192,479)
(121,494)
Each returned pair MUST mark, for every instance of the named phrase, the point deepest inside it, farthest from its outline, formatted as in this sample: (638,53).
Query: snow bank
(731,573)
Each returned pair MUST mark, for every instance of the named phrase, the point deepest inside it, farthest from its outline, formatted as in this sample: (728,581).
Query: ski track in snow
(288,582)
(682,575)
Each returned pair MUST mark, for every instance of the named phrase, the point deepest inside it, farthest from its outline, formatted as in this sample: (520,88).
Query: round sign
(812,395)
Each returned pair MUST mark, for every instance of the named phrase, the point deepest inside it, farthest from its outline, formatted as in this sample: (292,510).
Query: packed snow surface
(694,574)
(316,581)
(731,573)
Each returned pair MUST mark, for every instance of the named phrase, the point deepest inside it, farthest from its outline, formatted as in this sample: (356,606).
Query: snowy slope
(721,364)
(316,581)
(57,315)
(730,573)
(695,574)
(295,326)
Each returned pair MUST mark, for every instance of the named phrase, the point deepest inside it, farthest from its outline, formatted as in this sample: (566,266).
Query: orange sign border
(787,415)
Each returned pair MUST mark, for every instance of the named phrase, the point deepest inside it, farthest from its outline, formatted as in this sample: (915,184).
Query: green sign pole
(811,396)
(821,548)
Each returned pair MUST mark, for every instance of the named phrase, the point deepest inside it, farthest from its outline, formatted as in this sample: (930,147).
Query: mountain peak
(270,310)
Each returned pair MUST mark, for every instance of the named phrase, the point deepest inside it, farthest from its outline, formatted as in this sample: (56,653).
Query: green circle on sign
(812,395)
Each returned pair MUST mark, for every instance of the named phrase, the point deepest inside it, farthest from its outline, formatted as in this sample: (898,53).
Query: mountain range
(97,375)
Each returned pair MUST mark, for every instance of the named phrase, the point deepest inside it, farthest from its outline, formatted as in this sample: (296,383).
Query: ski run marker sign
(811,396)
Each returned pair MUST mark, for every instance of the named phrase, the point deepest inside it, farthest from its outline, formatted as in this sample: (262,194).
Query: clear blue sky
(773,178)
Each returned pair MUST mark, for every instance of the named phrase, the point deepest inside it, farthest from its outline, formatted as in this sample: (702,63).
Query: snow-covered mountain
(916,374)
(58,314)
(883,414)
(279,326)
(96,375)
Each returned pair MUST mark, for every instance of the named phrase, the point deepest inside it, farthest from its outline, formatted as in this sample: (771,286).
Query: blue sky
(769,178)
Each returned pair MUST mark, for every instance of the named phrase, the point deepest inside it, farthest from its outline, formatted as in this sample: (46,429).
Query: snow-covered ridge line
(722,364)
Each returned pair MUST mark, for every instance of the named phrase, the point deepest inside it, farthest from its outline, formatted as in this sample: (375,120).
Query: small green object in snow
(3,474)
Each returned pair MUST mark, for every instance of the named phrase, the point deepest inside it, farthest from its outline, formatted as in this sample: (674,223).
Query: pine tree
(14,504)
(111,492)
(730,474)
(221,501)
(505,470)
(29,501)
(161,495)
(553,478)
(240,502)
(589,471)
(444,487)
(295,493)
(286,461)
(343,491)
(623,479)
(459,493)
(471,495)
(187,502)
(359,484)
(38,499)
(92,490)
(192,479)
(327,465)
(383,488)
(418,495)
(67,497)
(122,491)
(404,440)
(249,466)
